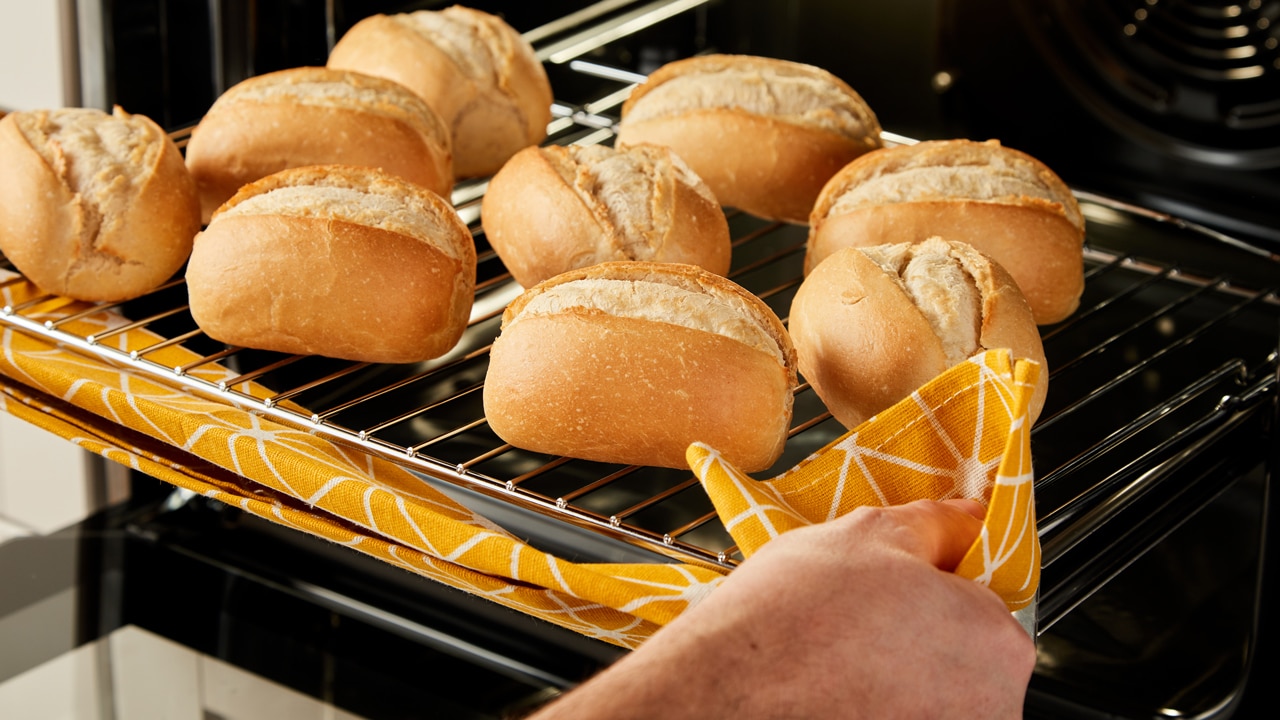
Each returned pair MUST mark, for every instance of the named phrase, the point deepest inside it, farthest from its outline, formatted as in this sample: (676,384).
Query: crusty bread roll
(342,261)
(471,67)
(1000,200)
(316,116)
(872,325)
(631,362)
(764,134)
(93,206)
(554,209)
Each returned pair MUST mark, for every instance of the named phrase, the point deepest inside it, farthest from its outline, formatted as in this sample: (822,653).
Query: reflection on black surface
(307,615)
(1171,635)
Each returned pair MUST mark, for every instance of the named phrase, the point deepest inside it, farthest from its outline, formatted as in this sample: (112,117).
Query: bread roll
(631,362)
(342,261)
(1003,202)
(554,209)
(316,116)
(764,134)
(93,206)
(471,67)
(872,325)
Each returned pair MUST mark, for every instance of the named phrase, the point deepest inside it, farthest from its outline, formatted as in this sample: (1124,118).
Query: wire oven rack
(1162,361)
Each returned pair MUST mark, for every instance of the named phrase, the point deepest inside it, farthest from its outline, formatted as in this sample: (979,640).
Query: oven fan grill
(1197,78)
(1160,362)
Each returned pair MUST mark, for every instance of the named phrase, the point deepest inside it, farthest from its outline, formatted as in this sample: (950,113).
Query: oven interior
(1154,452)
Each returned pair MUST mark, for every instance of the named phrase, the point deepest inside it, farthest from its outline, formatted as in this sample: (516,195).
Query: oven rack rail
(1148,311)
(1069,520)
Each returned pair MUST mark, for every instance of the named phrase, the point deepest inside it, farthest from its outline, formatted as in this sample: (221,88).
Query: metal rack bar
(413,450)
(586,120)
(206,360)
(99,337)
(255,374)
(605,481)
(1101,306)
(28,304)
(1044,423)
(176,340)
(370,431)
(318,382)
(1051,520)
(1133,327)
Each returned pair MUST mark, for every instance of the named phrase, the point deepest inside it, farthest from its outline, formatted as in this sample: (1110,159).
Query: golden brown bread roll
(1000,200)
(872,325)
(316,116)
(93,206)
(342,261)
(471,67)
(764,134)
(631,362)
(554,209)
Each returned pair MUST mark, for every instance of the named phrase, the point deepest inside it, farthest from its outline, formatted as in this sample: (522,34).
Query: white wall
(44,480)
(35,72)
(137,675)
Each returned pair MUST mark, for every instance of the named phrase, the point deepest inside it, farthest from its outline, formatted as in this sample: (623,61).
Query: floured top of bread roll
(472,39)
(558,208)
(788,91)
(326,87)
(622,188)
(631,362)
(102,160)
(344,261)
(764,134)
(316,116)
(873,324)
(940,279)
(670,293)
(94,206)
(470,66)
(1001,201)
(350,194)
(947,170)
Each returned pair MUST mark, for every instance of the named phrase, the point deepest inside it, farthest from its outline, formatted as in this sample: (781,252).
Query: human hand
(856,617)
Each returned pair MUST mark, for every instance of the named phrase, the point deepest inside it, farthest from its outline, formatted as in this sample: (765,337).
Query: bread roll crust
(769,165)
(490,115)
(545,213)
(316,116)
(93,227)
(593,384)
(327,283)
(864,343)
(1038,239)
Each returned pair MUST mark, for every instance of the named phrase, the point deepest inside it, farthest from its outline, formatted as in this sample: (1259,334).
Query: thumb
(944,531)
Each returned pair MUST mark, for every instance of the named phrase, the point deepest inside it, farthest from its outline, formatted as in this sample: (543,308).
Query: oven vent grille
(1193,73)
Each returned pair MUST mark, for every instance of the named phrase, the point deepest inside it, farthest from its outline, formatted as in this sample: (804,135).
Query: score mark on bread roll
(316,116)
(764,134)
(631,362)
(1003,202)
(471,67)
(94,206)
(341,261)
(554,209)
(872,325)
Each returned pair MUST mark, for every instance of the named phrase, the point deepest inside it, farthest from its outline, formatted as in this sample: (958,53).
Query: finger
(973,507)
(944,531)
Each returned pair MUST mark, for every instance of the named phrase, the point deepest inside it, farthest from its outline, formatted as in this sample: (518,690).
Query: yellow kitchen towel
(367,503)
(963,435)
